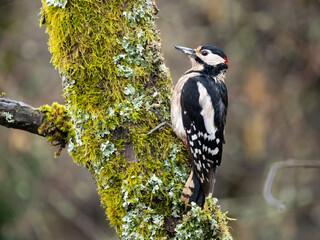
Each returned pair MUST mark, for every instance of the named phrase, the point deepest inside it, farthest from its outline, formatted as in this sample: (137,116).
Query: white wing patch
(207,111)
(214,151)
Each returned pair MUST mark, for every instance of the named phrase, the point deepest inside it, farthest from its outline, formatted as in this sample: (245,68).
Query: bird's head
(205,56)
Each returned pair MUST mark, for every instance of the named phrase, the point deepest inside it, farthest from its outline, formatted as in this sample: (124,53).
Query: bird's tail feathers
(193,192)
(208,187)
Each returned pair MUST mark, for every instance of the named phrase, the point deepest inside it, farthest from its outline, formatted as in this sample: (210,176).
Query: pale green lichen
(8,116)
(107,149)
(129,90)
(57,3)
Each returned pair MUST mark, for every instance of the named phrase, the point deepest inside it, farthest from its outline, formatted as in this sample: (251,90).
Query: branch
(52,122)
(15,114)
(273,170)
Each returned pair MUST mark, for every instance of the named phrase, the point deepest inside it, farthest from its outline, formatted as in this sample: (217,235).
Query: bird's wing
(203,135)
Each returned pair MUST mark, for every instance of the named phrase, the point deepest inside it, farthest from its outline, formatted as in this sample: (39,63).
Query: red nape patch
(185,143)
(226,61)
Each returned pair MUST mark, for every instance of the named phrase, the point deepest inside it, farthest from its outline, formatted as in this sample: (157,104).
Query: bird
(198,116)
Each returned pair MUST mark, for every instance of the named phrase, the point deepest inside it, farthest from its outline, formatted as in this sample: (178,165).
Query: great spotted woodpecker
(198,115)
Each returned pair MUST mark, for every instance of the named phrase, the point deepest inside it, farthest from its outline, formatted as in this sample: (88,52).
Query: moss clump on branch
(57,125)
(116,86)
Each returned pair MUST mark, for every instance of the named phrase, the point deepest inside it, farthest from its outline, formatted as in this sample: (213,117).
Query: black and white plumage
(198,114)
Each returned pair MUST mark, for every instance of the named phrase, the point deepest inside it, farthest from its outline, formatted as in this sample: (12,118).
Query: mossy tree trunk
(117,89)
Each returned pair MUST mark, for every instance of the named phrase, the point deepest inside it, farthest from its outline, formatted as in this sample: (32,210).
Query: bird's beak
(189,51)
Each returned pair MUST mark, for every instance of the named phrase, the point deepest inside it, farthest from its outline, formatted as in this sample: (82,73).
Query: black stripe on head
(211,70)
(199,60)
(215,50)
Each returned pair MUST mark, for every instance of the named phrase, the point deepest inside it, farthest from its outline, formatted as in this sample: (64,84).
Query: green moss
(115,80)
(56,126)
(207,223)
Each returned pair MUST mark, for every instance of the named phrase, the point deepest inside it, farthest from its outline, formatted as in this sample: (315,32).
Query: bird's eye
(204,53)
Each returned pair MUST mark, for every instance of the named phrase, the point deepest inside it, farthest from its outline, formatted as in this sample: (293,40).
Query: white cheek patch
(212,59)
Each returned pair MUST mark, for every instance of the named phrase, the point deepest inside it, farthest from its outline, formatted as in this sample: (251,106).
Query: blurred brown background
(273,49)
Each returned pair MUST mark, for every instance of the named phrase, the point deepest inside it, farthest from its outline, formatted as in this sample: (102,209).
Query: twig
(273,170)
(159,126)
(156,9)
(158,114)
(15,114)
